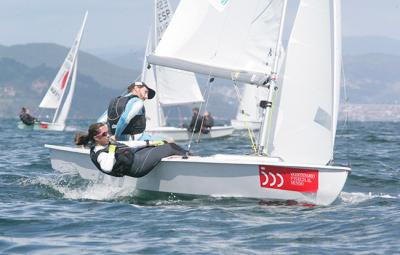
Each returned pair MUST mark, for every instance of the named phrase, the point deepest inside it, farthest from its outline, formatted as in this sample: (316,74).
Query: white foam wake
(358,197)
(73,189)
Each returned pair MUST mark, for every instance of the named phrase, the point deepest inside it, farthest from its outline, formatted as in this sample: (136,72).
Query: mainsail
(232,39)
(307,106)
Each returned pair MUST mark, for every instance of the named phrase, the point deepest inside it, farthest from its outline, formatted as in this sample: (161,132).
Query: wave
(74,187)
(359,197)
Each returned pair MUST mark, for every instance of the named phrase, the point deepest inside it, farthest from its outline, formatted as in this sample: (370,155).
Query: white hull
(220,175)
(181,134)
(242,125)
(42,126)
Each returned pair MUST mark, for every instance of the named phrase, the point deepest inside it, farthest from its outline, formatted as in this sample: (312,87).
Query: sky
(124,24)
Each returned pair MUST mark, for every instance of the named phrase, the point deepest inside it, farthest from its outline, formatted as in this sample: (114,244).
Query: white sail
(307,103)
(163,14)
(200,40)
(53,97)
(68,100)
(177,87)
(154,112)
(173,87)
(249,107)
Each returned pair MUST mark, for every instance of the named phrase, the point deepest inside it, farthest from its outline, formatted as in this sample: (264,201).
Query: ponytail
(81,139)
(85,139)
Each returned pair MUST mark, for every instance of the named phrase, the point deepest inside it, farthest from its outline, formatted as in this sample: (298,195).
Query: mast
(148,76)
(154,68)
(265,127)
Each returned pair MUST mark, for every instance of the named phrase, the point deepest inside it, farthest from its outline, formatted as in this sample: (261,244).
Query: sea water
(43,211)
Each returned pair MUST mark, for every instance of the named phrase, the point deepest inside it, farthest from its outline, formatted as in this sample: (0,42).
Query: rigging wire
(207,90)
(197,117)
(249,130)
(345,126)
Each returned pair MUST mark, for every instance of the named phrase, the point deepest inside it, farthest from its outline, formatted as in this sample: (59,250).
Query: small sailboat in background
(55,94)
(174,87)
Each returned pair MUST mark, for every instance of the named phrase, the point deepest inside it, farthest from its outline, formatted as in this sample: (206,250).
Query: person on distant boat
(126,115)
(26,118)
(195,123)
(208,123)
(117,159)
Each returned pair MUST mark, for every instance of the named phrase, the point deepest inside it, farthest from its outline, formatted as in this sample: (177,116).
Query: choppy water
(45,212)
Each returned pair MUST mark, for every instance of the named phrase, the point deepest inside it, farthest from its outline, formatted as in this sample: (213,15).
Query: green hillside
(21,85)
(52,55)
(26,72)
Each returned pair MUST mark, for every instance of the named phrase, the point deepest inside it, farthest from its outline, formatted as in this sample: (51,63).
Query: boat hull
(43,126)
(243,125)
(220,175)
(181,134)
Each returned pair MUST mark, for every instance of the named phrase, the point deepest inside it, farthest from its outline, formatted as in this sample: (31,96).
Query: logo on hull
(288,178)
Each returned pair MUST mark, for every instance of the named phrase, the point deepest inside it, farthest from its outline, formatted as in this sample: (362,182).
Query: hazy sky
(124,23)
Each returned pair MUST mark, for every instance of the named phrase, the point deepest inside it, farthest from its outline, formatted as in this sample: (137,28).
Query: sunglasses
(105,133)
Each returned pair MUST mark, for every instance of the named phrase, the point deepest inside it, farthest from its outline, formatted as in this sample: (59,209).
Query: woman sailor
(118,159)
(126,115)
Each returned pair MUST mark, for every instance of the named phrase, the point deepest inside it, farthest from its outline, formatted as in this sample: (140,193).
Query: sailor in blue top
(126,115)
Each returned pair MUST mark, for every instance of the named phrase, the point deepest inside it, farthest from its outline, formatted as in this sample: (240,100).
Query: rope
(206,90)
(345,125)
(249,130)
(197,117)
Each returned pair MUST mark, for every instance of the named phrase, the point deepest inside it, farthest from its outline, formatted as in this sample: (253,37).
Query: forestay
(306,109)
(239,44)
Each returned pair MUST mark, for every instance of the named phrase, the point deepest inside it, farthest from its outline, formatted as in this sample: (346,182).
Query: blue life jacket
(117,107)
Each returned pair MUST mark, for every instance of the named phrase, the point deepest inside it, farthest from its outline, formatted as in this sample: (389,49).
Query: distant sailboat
(54,96)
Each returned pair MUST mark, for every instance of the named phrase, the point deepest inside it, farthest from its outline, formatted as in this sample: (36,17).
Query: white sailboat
(295,148)
(54,96)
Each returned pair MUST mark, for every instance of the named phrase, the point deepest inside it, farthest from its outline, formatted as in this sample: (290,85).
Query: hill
(26,72)
(21,85)
(53,55)
(372,77)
